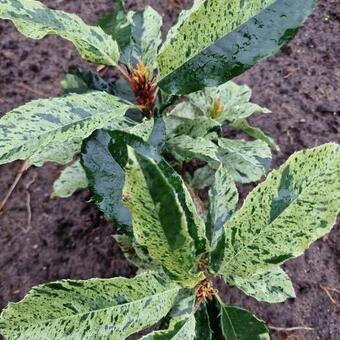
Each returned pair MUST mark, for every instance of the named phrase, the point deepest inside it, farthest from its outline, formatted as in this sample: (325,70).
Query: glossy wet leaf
(105,172)
(70,180)
(223,198)
(239,324)
(273,286)
(216,41)
(35,20)
(293,207)
(179,329)
(158,219)
(246,161)
(28,131)
(97,308)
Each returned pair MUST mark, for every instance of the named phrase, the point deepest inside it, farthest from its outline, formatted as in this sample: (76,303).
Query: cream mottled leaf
(92,309)
(246,161)
(35,20)
(34,130)
(184,147)
(223,198)
(296,205)
(254,132)
(218,40)
(70,180)
(179,329)
(158,219)
(273,286)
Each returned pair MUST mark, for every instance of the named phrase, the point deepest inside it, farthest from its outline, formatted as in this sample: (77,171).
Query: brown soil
(69,238)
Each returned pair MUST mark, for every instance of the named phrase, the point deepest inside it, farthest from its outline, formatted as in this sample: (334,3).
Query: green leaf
(296,205)
(223,198)
(254,132)
(239,324)
(118,26)
(184,147)
(97,308)
(203,331)
(214,41)
(35,21)
(138,34)
(273,286)
(203,178)
(29,131)
(179,329)
(83,81)
(105,172)
(158,219)
(70,180)
(234,100)
(246,161)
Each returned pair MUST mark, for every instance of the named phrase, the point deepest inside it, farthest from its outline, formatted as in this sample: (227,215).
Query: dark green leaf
(203,331)
(239,324)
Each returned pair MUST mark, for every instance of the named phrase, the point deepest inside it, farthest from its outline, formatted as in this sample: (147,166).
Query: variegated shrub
(145,145)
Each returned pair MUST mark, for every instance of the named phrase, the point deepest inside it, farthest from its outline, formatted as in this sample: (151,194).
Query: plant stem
(23,168)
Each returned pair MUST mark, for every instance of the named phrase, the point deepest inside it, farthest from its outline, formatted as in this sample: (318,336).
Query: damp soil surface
(44,239)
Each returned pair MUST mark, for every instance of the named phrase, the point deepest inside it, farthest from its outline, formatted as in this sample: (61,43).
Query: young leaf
(30,130)
(179,329)
(223,198)
(273,286)
(35,20)
(296,205)
(239,324)
(233,102)
(203,178)
(214,41)
(97,308)
(70,180)
(246,161)
(158,219)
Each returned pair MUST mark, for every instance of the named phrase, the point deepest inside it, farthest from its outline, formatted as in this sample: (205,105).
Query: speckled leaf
(184,147)
(32,129)
(179,329)
(254,132)
(35,20)
(216,41)
(273,286)
(223,198)
(246,161)
(233,98)
(70,180)
(158,219)
(295,206)
(93,309)
(239,324)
